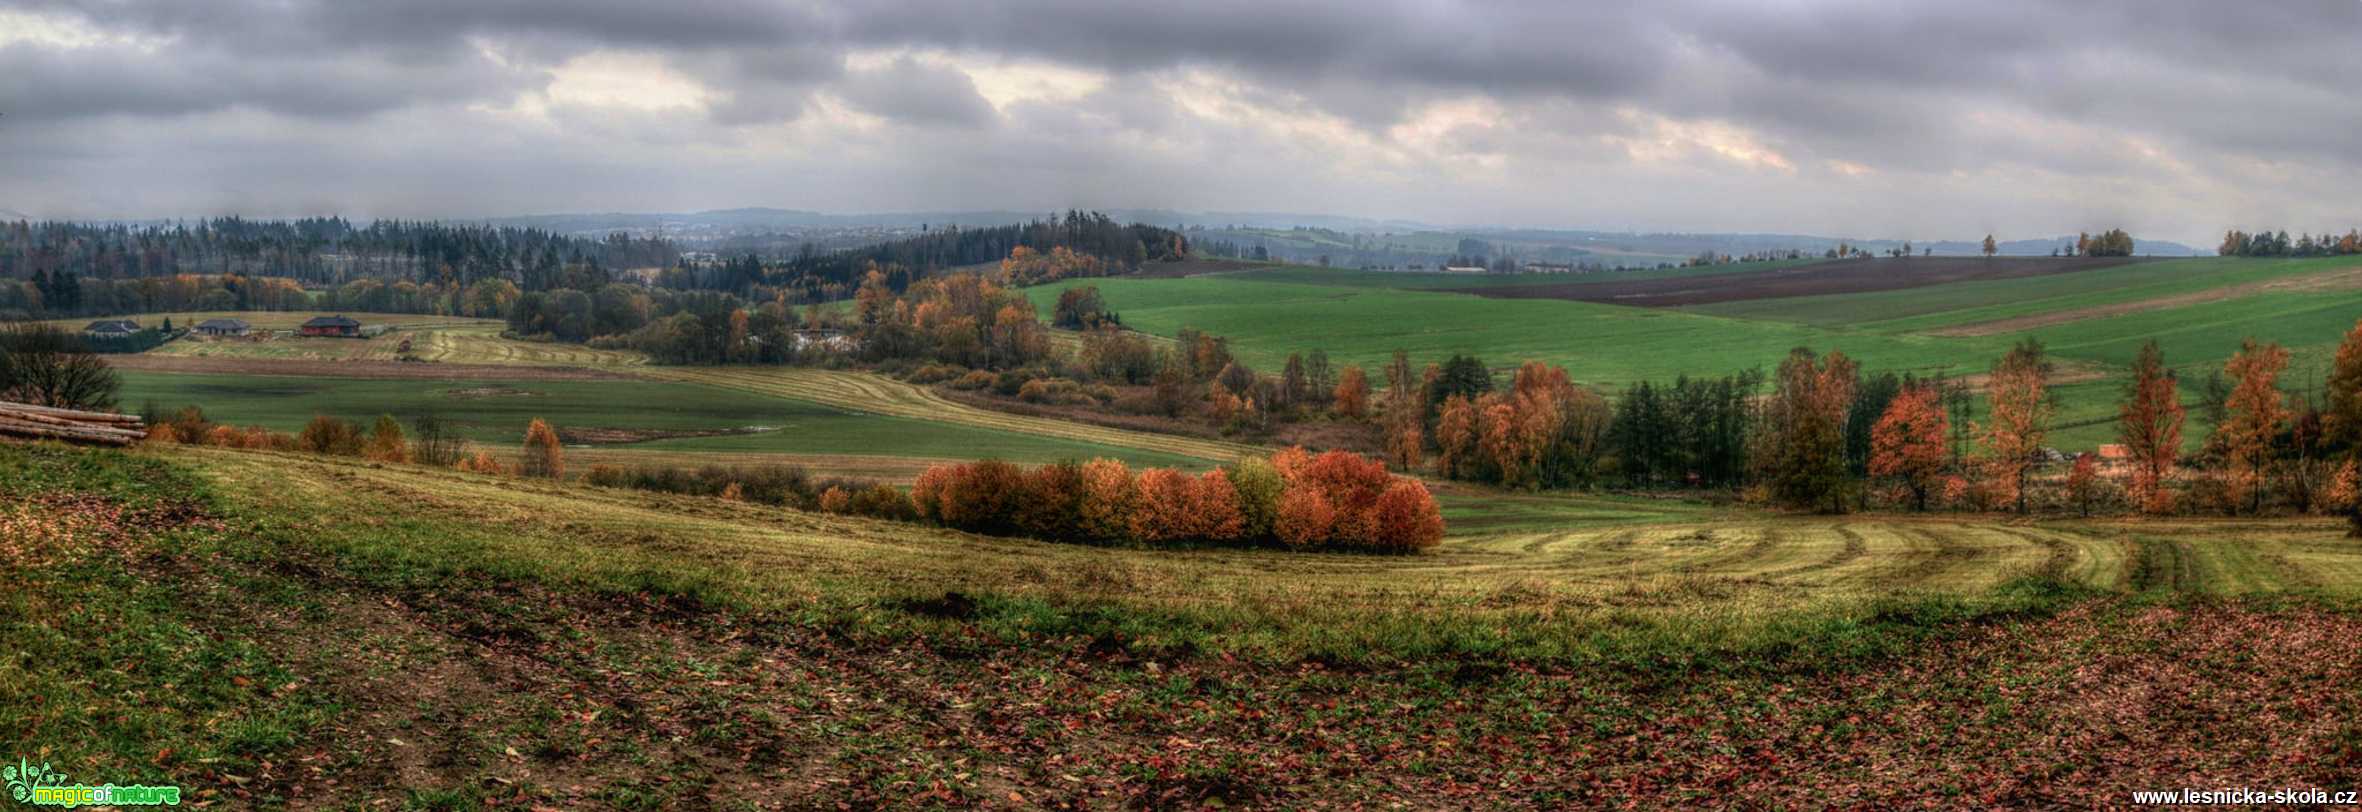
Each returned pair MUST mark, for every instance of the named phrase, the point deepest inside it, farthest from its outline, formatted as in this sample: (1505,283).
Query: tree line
(2238,243)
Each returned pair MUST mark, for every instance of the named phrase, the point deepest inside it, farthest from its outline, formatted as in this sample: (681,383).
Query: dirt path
(2340,279)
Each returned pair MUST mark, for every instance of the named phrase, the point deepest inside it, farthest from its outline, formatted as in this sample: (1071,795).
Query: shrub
(1305,518)
(1110,496)
(1051,507)
(328,435)
(543,457)
(835,500)
(978,379)
(881,501)
(934,373)
(386,442)
(1168,507)
(1407,518)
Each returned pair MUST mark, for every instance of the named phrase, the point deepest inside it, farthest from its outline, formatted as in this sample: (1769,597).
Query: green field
(495,413)
(1928,308)
(1429,280)
(1602,345)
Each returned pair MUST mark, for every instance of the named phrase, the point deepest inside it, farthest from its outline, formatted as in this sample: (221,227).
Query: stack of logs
(24,420)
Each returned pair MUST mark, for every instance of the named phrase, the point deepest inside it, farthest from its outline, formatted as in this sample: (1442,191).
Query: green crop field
(1603,345)
(1429,280)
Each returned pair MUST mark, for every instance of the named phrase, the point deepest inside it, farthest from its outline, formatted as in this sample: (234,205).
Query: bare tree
(46,365)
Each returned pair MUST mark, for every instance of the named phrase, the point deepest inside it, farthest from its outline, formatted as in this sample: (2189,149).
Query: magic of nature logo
(44,786)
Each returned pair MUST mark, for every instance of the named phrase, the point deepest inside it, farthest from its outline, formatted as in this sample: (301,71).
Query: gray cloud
(916,93)
(2014,111)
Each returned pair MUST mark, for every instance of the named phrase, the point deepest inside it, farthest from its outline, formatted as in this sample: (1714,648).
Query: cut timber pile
(47,423)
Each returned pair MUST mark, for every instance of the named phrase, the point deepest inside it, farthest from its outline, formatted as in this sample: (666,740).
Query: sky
(2175,119)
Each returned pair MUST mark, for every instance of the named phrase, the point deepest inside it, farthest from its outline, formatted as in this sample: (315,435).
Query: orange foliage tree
(1455,438)
(2252,416)
(2083,483)
(2018,407)
(1907,442)
(543,456)
(1352,397)
(2150,427)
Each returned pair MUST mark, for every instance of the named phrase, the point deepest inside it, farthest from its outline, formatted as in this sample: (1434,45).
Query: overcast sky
(2175,119)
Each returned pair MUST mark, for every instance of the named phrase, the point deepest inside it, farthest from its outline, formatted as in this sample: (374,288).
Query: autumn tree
(1803,438)
(2018,409)
(1908,442)
(2342,421)
(2253,415)
(1455,438)
(1352,397)
(543,456)
(2150,427)
(2083,483)
(1990,248)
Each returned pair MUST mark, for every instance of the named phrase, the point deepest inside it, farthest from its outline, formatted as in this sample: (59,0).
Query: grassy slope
(269,628)
(285,403)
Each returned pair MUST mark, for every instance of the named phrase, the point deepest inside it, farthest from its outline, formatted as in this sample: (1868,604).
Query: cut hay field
(341,634)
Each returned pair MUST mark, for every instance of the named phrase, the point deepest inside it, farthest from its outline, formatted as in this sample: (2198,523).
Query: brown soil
(2340,279)
(376,370)
(1816,279)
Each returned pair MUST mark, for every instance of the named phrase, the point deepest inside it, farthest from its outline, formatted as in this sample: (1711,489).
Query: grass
(1429,280)
(1599,344)
(495,413)
(271,630)
(1922,309)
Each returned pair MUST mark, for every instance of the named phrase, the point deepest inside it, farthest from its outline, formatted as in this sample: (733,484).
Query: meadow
(495,412)
(336,632)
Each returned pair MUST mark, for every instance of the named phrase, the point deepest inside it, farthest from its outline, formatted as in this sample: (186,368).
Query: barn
(335,326)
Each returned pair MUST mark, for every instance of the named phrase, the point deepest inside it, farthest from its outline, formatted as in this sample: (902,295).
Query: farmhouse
(1548,267)
(336,325)
(223,328)
(111,328)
